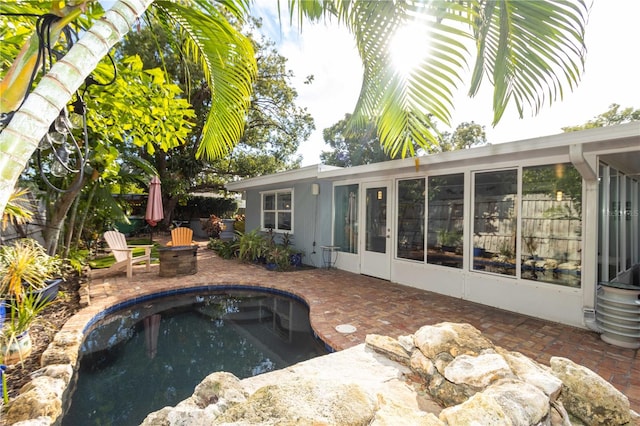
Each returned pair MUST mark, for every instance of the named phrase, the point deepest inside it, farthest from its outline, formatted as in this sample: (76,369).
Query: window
(495,219)
(277,210)
(551,214)
(619,245)
(411,203)
(446,220)
(345,230)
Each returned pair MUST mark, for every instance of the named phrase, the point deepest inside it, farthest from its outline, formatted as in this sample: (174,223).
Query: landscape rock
(588,396)
(534,373)
(453,338)
(506,402)
(389,413)
(389,347)
(444,374)
(63,372)
(477,371)
(217,388)
(306,402)
(63,350)
(42,397)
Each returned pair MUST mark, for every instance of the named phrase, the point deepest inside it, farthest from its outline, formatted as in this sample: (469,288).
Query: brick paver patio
(376,306)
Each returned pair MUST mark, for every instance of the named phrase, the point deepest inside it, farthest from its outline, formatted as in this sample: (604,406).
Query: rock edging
(451,364)
(443,374)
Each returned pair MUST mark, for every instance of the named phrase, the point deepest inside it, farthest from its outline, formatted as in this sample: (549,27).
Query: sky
(612,75)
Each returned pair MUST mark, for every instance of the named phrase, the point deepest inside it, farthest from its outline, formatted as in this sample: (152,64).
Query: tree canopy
(274,128)
(354,148)
(615,115)
(531,51)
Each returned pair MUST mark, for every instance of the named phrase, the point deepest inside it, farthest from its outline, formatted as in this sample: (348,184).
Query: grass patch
(108,260)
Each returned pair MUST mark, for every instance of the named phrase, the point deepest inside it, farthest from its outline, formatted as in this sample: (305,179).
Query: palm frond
(403,105)
(229,65)
(18,209)
(530,50)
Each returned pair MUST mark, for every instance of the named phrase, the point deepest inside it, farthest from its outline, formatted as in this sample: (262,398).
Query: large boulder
(306,401)
(213,396)
(532,372)
(506,402)
(588,396)
(41,397)
(477,372)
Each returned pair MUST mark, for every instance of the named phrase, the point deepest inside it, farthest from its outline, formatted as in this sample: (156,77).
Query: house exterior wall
(544,300)
(311,217)
(583,151)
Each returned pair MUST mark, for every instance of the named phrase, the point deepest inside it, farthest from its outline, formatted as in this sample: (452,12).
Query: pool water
(148,356)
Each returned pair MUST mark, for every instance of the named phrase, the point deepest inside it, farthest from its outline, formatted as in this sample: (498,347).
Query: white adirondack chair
(124,253)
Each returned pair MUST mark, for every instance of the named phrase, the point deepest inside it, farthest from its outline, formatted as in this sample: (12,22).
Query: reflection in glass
(551,242)
(284,221)
(446,220)
(284,201)
(269,221)
(603,176)
(614,224)
(376,220)
(495,219)
(411,219)
(345,231)
(269,202)
(619,246)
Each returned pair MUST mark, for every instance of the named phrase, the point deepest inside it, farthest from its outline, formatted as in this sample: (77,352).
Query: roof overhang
(303,174)
(618,144)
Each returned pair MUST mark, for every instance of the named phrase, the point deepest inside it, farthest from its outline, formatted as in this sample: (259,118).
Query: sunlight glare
(408,47)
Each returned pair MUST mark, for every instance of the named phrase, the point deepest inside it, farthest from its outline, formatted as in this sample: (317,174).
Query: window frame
(398,220)
(276,210)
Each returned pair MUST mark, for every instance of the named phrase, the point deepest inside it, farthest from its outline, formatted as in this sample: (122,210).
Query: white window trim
(276,211)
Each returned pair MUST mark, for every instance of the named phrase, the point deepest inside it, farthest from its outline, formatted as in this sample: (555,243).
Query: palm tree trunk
(83,218)
(57,216)
(71,225)
(19,139)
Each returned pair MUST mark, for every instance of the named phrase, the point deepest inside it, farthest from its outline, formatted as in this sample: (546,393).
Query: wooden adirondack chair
(181,237)
(124,253)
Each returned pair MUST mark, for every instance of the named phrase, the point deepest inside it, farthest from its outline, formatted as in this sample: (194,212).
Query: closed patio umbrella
(154,212)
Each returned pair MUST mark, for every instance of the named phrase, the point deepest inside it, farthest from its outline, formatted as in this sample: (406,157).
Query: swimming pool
(142,357)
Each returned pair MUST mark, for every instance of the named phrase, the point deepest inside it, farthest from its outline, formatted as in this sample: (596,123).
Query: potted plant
(212,226)
(15,341)
(25,267)
(295,256)
(278,258)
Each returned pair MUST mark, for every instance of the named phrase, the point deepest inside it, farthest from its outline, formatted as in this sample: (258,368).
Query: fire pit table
(180,260)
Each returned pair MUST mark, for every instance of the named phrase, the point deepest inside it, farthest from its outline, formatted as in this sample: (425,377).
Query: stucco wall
(311,220)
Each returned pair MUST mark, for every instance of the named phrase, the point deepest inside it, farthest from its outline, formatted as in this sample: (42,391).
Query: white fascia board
(308,173)
(546,146)
(601,139)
